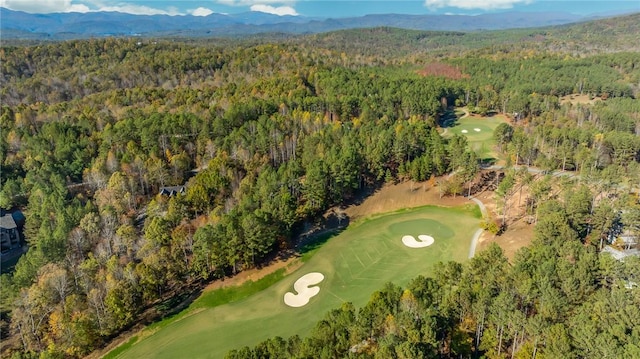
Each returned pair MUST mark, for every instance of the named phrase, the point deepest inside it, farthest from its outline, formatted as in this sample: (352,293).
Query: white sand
(464,131)
(476,129)
(411,242)
(305,286)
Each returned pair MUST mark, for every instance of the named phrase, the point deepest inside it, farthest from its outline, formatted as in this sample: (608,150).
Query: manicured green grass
(482,141)
(115,352)
(222,296)
(355,263)
(231,294)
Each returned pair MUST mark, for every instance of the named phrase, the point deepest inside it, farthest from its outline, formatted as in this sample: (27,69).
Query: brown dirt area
(518,233)
(392,197)
(290,263)
(444,70)
(575,99)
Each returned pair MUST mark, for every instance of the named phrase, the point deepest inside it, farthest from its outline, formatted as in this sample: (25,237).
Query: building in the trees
(618,254)
(9,237)
(628,239)
(172,190)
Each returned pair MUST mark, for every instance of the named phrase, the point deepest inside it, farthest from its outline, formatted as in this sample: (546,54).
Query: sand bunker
(476,129)
(464,131)
(424,241)
(305,287)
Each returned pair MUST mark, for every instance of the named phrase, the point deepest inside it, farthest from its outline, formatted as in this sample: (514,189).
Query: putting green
(479,133)
(354,264)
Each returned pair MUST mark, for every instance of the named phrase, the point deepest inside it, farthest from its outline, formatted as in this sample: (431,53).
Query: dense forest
(267,135)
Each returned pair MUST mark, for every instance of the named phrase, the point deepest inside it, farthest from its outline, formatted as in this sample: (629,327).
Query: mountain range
(22,25)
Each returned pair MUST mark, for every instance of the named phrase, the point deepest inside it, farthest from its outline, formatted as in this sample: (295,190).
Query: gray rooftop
(7,222)
(620,255)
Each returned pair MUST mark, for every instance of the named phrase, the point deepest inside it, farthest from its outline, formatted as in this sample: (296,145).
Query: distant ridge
(21,25)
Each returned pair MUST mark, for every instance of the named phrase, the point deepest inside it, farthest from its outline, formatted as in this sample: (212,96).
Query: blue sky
(322,8)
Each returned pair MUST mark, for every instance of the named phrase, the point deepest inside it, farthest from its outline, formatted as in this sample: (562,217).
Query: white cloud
(255,2)
(49,6)
(474,4)
(277,7)
(139,10)
(280,10)
(201,11)
(43,6)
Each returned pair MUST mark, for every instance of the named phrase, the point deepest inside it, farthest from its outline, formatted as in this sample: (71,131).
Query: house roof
(171,190)
(7,222)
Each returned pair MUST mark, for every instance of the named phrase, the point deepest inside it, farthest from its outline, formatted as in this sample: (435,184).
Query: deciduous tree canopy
(265,136)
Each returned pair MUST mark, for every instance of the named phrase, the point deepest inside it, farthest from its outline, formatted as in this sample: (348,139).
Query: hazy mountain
(16,24)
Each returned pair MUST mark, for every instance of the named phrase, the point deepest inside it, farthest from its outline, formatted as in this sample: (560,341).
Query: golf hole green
(416,227)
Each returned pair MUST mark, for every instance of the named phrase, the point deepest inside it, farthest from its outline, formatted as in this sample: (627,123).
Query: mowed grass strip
(355,263)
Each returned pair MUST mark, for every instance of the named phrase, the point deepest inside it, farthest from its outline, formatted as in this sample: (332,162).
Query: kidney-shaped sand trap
(464,131)
(476,129)
(305,286)
(424,241)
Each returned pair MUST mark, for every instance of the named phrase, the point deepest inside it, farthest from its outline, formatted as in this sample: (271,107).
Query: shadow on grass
(173,309)
(449,119)
(313,244)
(317,236)
(487,162)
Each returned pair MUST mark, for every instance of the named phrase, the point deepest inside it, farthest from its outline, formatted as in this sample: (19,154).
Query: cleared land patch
(354,263)
(583,99)
(443,70)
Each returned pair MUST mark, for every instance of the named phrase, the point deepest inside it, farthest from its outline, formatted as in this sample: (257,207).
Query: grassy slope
(355,263)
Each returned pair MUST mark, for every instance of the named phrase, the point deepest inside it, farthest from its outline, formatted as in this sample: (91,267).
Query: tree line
(266,138)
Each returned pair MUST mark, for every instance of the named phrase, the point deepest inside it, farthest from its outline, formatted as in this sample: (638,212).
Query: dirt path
(483,209)
(390,197)
(411,194)
(466,112)
(290,264)
(476,236)
(474,242)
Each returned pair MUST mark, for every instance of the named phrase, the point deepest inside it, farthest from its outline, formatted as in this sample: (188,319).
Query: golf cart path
(476,236)
(466,114)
